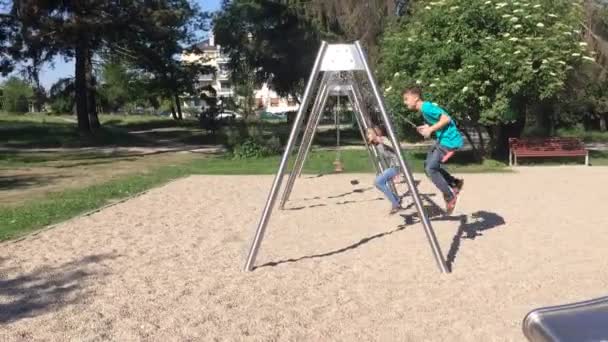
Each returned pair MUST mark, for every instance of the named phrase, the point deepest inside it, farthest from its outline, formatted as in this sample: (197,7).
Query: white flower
(536,6)
(409,39)
(518,26)
(465,89)
(470,66)
(589,58)
(507,34)
(506,15)
(576,54)
(552,73)
(486,82)
(436,79)
(514,39)
(488,37)
(514,19)
(432,85)
(528,16)
(561,62)
(517,52)
(427,7)
(396,74)
(507,63)
(552,15)
(418,82)
(388,89)
(519,10)
(582,44)
(568,33)
(454,8)
(459,70)
(540,25)
(545,61)
(487,2)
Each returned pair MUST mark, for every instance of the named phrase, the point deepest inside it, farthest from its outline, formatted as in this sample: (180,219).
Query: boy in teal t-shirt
(448,139)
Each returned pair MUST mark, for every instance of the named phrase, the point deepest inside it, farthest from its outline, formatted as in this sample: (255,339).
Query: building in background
(211,54)
(269,101)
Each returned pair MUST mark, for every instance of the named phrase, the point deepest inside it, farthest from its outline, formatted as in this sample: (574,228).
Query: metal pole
(307,149)
(305,144)
(430,234)
(276,185)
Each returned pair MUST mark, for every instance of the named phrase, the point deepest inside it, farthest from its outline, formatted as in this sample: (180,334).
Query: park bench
(546,147)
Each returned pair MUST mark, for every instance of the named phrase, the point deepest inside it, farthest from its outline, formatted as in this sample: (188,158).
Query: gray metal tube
(305,144)
(430,234)
(362,129)
(314,133)
(276,185)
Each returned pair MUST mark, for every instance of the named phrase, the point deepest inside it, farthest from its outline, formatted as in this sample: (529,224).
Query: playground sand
(167,266)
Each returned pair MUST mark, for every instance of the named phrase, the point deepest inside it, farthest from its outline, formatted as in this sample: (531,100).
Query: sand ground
(167,266)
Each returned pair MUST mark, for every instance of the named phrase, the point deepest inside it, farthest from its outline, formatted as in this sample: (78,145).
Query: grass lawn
(586,136)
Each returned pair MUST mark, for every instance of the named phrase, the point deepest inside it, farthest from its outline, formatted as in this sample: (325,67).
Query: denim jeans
(442,179)
(383,185)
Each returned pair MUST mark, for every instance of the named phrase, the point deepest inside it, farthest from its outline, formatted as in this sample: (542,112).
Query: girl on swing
(375,136)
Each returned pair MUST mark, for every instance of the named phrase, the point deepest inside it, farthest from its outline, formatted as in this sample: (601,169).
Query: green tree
(349,20)
(269,40)
(80,29)
(16,94)
(488,62)
(62,96)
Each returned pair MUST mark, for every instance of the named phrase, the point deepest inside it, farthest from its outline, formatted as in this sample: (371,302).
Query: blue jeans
(439,176)
(382,184)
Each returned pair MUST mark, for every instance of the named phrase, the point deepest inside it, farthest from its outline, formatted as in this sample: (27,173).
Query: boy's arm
(444,120)
(426,130)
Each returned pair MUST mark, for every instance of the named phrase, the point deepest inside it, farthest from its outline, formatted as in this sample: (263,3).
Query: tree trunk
(173,113)
(91,100)
(179,107)
(603,122)
(81,86)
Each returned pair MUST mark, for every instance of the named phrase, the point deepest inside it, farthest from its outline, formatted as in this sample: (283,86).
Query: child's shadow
(483,221)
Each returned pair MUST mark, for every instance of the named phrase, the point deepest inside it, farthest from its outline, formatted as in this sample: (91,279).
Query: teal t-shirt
(448,136)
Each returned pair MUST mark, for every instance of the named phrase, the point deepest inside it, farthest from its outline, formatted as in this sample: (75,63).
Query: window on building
(259,102)
(274,102)
(225,85)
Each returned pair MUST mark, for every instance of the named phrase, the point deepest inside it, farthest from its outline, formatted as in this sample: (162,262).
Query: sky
(61,68)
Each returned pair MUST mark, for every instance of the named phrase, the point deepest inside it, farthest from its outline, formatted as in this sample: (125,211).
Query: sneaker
(457,188)
(451,204)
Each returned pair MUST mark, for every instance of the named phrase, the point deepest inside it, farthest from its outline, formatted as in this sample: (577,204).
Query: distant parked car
(229,115)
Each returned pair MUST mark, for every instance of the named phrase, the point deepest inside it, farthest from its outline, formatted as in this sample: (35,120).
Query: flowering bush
(486,61)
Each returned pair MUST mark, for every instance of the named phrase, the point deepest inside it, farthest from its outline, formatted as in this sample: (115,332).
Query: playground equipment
(575,322)
(339,70)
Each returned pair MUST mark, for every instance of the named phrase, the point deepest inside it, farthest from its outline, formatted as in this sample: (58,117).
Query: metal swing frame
(332,59)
